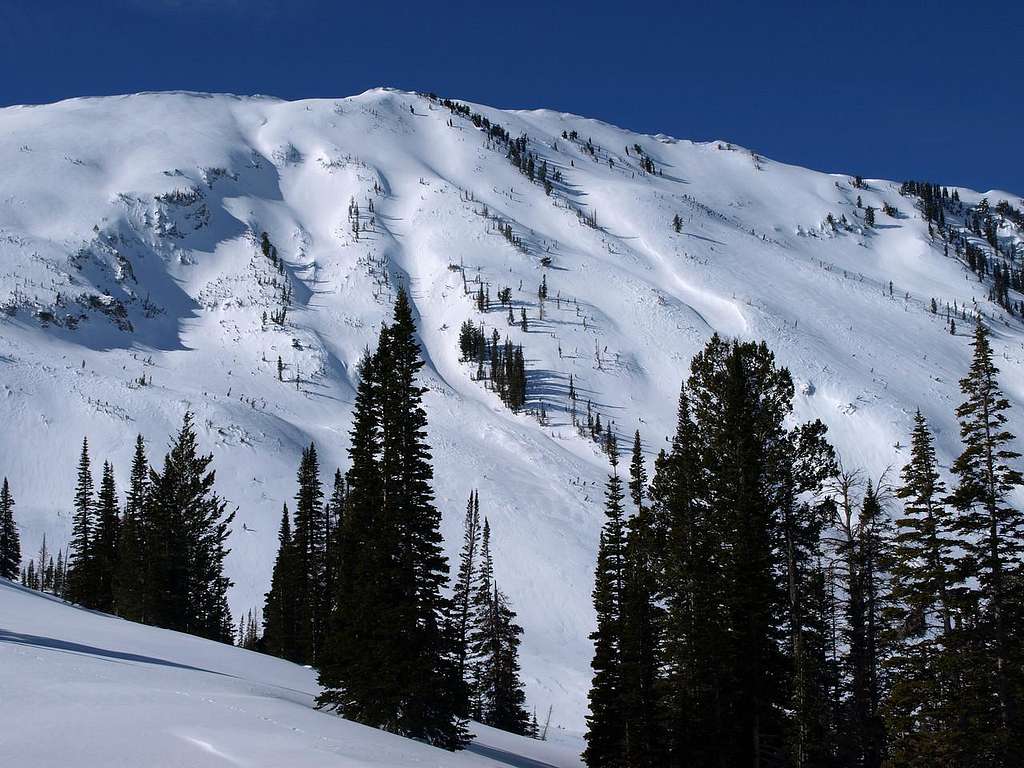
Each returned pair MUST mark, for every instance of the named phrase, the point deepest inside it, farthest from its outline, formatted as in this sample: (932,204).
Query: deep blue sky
(925,90)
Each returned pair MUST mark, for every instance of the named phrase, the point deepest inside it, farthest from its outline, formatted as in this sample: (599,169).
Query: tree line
(760,607)
(157,558)
(359,588)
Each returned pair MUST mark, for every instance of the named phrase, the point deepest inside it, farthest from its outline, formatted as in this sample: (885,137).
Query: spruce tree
(281,606)
(310,535)
(105,544)
(606,727)
(920,709)
(465,581)
(10,541)
(481,612)
(497,696)
(187,531)
(991,531)
(81,582)
(641,620)
(131,569)
(398,669)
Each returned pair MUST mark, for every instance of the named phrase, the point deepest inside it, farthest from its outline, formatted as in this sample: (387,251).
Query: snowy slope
(85,689)
(129,247)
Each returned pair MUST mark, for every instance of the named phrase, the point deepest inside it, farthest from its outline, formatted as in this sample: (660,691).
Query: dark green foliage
(720,657)
(81,583)
(309,551)
(104,547)
(10,541)
(465,581)
(187,530)
(131,568)
(606,724)
(281,606)
(390,658)
(991,531)
(497,696)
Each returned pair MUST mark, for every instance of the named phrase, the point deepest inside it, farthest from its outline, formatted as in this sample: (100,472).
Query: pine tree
(10,541)
(641,620)
(481,611)
(497,696)
(991,530)
(868,603)
(187,531)
(281,606)
(508,708)
(606,727)
(465,581)
(131,570)
(310,544)
(81,583)
(744,599)
(920,709)
(398,670)
(104,549)
(335,517)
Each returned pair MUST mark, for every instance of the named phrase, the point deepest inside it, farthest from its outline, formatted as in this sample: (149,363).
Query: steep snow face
(81,688)
(130,249)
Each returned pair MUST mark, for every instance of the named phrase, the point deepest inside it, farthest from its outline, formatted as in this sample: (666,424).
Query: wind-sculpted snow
(135,287)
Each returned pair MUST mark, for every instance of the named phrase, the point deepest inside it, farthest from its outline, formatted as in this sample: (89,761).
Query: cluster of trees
(359,581)
(43,573)
(486,634)
(506,365)
(760,608)
(156,558)
(298,603)
(982,221)
(391,655)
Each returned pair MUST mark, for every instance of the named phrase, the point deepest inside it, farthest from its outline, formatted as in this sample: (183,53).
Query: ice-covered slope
(130,250)
(85,689)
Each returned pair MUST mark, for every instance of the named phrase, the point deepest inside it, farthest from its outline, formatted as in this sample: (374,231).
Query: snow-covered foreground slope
(130,250)
(86,689)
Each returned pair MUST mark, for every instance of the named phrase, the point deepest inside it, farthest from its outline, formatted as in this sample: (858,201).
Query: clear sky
(924,90)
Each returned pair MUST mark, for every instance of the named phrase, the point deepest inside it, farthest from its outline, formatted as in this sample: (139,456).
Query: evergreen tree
(187,531)
(641,620)
(606,727)
(104,548)
(10,541)
(391,658)
(131,569)
(497,696)
(481,611)
(991,533)
(310,544)
(743,631)
(920,709)
(465,581)
(281,607)
(81,583)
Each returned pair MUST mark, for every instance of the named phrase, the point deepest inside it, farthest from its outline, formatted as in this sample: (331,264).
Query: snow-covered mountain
(135,286)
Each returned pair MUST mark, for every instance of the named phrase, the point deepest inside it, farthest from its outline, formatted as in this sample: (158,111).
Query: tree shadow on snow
(66,646)
(508,758)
